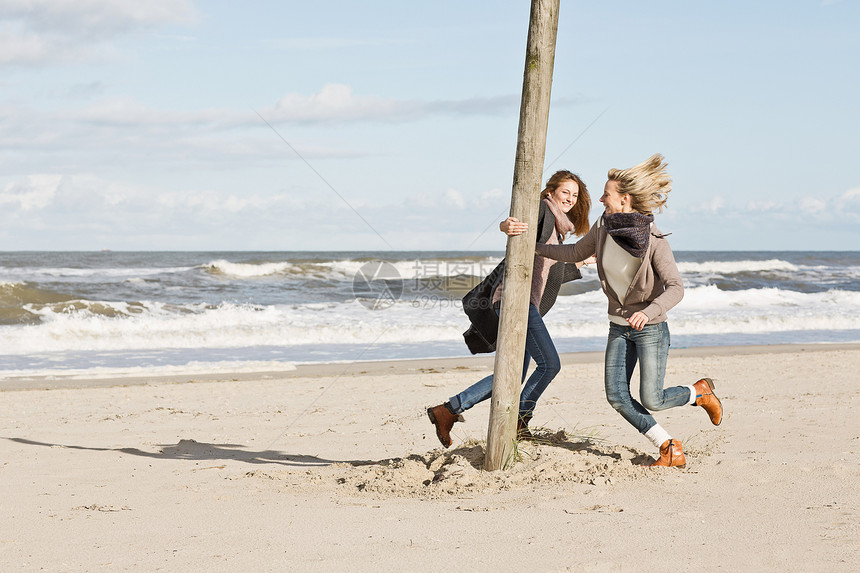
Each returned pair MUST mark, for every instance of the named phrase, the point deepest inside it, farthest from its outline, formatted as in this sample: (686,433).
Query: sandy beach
(336,467)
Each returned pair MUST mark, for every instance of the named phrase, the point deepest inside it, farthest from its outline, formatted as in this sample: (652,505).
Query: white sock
(692,401)
(657,435)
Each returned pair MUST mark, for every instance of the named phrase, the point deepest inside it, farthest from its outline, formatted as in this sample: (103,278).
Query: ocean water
(69,314)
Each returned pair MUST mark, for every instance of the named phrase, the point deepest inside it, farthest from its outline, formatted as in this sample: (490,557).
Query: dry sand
(336,467)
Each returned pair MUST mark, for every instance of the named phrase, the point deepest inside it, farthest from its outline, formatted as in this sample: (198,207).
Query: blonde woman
(638,274)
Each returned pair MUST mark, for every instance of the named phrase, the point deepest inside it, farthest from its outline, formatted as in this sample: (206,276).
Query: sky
(388,125)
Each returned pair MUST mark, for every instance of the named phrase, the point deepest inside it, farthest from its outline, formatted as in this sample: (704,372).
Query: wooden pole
(520,251)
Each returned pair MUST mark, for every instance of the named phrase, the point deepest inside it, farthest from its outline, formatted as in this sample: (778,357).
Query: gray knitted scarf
(630,230)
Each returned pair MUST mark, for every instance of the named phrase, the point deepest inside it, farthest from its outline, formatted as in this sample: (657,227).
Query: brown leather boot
(706,398)
(523,432)
(671,455)
(443,419)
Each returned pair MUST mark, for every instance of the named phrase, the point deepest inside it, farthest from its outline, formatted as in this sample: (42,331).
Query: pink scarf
(563,226)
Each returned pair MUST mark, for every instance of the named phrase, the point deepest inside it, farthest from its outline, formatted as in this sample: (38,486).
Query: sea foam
(733,267)
(74,326)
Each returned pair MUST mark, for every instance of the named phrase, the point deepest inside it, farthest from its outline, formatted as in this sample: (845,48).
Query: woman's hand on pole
(513,227)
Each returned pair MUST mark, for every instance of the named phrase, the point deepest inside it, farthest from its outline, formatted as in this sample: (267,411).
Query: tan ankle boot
(706,398)
(671,455)
(444,420)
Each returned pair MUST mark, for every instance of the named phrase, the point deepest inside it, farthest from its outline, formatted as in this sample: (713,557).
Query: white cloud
(325,43)
(849,197)
(765,206)
(85,211)
(131,131)
(337,103)
(334,102)
(214,202)
(813,206)
(713,205)
(93,197)
(82,91)
(416,202)
(58,31)
(455,198)
(34,193)
(833,209)
(848,204)
(128,112)
(492,195)
(442,201)
(79,139)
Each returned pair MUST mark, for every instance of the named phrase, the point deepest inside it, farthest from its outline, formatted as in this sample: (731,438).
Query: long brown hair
(578,214)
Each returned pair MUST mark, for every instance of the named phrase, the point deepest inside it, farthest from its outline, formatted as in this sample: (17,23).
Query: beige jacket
(656,287)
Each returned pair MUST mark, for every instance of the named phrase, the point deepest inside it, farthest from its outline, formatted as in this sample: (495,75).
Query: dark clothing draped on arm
(478,303)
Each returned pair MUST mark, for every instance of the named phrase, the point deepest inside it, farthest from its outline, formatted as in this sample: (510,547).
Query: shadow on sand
(202,451)
(560,440)
(474,452)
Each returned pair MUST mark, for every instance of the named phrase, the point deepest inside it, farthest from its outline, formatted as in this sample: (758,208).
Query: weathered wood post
(519,255)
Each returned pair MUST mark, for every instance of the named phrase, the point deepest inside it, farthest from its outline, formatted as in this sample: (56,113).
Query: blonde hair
(647,184)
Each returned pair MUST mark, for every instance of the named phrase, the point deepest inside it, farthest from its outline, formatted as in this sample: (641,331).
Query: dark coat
(478,302)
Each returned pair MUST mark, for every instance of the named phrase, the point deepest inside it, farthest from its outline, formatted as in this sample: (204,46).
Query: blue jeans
(538,346)
(650,347)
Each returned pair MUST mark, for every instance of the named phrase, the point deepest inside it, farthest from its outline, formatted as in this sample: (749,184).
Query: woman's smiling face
(565,195)
(613,201)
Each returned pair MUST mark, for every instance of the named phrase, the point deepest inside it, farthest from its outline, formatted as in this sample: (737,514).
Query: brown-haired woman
(564,208)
